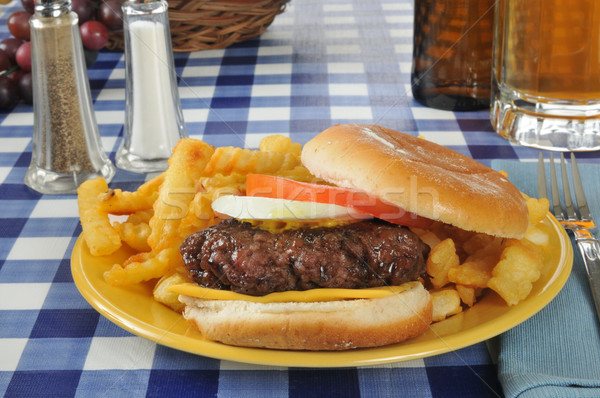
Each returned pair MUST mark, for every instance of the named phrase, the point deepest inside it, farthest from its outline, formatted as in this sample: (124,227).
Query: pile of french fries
(462,264)
(155,219)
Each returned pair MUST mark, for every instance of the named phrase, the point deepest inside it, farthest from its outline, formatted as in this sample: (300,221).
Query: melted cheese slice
(276,226)
(305,296)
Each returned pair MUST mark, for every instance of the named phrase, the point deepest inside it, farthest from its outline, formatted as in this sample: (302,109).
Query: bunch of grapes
(96,19)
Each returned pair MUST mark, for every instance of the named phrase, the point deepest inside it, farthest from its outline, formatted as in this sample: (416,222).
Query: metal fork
(575,218)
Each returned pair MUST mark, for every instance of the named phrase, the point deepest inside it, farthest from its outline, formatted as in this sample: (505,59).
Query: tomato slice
(283,188)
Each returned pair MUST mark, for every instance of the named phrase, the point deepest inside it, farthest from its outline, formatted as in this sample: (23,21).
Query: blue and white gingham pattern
(320,63)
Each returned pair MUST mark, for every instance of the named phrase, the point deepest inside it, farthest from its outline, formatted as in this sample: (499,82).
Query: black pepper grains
(66,140)
(62,123)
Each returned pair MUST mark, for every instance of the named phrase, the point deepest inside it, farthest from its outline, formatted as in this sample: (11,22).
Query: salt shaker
(452,53)
(66,141)
(153,117)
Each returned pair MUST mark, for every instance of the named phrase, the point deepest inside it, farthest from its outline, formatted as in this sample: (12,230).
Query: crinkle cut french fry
(279,143)
(148,267)
(235,182)
(116,201)
(228,160)
(162,294)
(200,214)
(139,217)
(519,267)
(446,302)
(134,235)
(475,273)
(99,235)
(189,158)
(441,259)
(468,295)
(299,173)
(537,209)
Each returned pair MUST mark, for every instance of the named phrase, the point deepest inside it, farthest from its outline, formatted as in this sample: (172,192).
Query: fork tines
(584,210)
(555,202)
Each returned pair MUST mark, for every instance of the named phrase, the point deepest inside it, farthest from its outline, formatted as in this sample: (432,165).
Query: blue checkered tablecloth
(320,63)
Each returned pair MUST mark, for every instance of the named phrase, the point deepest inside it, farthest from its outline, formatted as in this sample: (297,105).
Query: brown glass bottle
(452,53)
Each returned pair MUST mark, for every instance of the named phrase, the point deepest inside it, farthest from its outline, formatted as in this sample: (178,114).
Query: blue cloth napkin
(556,353)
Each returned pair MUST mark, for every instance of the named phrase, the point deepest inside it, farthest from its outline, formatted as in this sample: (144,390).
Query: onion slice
(259,208)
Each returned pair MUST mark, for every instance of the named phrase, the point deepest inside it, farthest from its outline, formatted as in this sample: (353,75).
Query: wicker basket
(210,24)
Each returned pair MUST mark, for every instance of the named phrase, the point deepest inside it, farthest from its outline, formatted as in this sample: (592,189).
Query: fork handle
(590,252)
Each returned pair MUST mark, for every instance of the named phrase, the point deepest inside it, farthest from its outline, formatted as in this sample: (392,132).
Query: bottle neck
(52,8)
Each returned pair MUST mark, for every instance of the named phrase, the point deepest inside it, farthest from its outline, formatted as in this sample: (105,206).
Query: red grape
(24,56)
(28,5)
(9,93)
(110,14)
(26,88)
(84,9)
(4,61)
(10,45)
(18,24)
(94,35)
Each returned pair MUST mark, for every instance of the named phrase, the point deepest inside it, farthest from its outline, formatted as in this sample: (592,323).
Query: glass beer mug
(547,73)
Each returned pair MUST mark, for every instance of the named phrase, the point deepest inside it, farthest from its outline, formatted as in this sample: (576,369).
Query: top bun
(419,176)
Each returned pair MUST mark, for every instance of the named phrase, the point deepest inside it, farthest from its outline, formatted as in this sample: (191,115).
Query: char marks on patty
(237,256)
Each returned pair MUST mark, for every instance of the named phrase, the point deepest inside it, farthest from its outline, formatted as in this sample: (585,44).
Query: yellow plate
(134,309)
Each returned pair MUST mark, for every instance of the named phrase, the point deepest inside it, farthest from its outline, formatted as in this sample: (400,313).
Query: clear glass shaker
(66,141)
(153,116)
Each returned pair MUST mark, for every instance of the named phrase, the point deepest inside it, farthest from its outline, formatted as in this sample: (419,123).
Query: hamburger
(349,273)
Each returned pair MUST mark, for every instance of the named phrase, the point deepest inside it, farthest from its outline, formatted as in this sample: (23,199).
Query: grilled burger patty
(234,255)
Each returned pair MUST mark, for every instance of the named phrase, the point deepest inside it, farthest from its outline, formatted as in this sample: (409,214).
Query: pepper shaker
(153,116)
(66,141)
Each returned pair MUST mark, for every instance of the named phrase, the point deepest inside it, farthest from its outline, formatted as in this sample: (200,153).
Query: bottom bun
(330,325)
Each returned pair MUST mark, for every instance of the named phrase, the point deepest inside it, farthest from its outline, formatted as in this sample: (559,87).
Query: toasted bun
(419,176)
(331,325)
